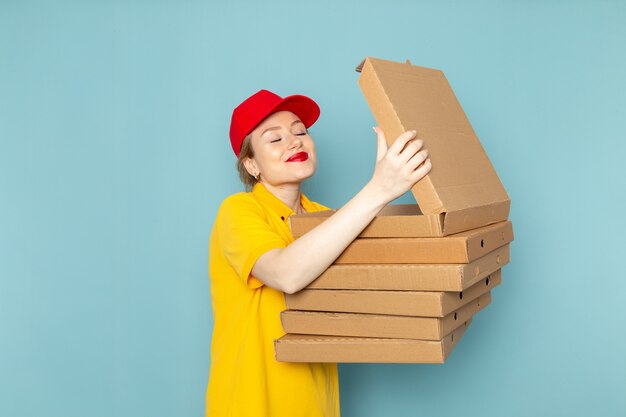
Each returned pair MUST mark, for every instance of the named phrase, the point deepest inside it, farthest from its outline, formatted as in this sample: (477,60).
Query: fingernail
(374,129)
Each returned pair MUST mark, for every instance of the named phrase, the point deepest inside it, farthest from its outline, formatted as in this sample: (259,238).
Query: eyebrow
(278,127)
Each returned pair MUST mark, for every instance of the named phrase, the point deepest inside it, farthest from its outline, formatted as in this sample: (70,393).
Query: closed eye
(275,140)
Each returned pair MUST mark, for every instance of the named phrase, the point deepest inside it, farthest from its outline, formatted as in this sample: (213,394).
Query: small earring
(257,176)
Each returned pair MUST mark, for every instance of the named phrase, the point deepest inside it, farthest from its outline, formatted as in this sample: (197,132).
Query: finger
(417,159)
(422,170)
(401,141)
(381,145)
(411,148)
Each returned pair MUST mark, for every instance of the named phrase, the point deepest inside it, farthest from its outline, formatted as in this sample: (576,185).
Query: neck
(288,194)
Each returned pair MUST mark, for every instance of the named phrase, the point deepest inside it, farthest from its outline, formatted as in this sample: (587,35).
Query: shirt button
(282,218)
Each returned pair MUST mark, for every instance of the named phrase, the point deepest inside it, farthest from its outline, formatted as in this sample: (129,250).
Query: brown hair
(246,152)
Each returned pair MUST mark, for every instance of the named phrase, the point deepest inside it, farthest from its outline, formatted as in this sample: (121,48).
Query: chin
(301,177)
(308,173)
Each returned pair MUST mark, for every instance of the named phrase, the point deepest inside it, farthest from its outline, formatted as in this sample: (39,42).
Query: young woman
(254,260)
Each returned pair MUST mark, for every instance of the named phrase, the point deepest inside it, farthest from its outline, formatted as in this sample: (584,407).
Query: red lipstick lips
(298,157)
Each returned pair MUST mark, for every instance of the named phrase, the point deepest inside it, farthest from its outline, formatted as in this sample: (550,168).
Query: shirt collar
(273,202)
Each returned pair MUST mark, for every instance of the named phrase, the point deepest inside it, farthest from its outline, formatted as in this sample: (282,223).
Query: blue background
(114,157)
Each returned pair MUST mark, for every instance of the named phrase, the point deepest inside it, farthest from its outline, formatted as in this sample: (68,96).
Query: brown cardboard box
(403,220)
(411,277)
(378,325)
(402,303)
(397,220)
(462,191)
(335,349)
(462,247)
(461,218)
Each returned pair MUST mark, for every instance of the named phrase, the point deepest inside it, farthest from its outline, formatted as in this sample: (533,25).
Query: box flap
(403,97)
(395,220)
(474,217)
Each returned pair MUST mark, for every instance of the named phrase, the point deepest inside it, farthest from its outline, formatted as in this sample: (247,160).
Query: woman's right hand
(399,166)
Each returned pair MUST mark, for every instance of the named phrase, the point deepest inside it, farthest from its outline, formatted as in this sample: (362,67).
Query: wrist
(375,195)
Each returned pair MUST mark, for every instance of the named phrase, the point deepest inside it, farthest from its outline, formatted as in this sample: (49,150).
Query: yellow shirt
(245,378)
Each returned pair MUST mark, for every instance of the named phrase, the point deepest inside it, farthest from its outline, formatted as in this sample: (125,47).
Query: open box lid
(462,185)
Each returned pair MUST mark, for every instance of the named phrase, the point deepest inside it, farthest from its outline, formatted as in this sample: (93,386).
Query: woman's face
(284,153)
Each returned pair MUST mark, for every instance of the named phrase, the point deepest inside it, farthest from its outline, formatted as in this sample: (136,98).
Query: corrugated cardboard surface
(398,220)
(462,247)
(406,220)
(404,97)
(336,349)
(412,277)
(403,303)
(377,325)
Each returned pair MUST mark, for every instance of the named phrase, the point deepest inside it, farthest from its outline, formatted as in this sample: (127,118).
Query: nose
(295,142)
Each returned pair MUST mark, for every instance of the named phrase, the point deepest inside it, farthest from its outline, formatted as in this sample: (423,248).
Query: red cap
(247,116)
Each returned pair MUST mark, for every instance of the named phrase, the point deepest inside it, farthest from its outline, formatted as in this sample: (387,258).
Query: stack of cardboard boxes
(407,288)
